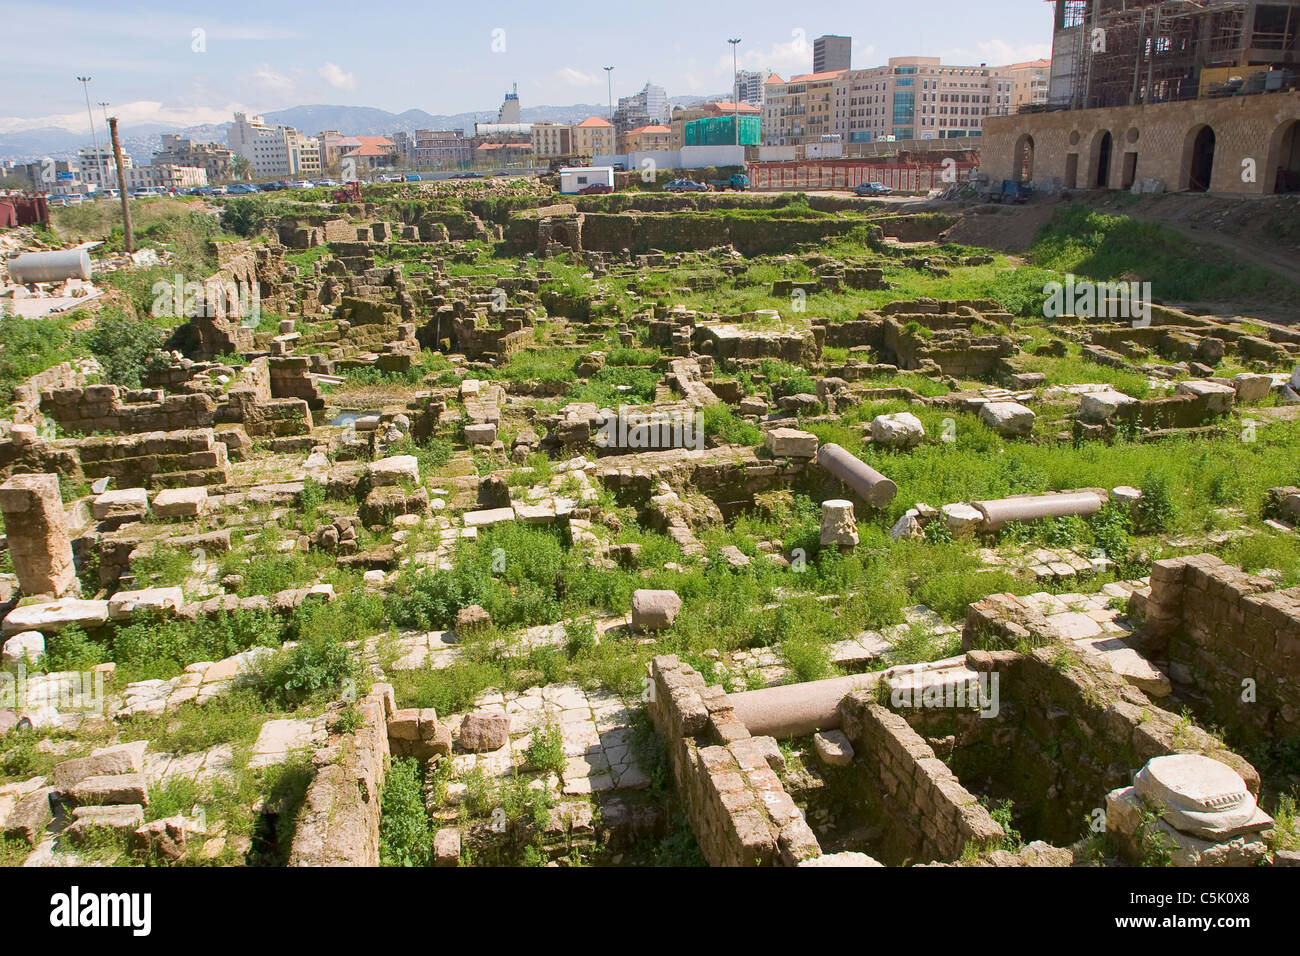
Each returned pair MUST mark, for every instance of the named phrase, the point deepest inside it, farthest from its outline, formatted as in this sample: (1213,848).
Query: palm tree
(241,168)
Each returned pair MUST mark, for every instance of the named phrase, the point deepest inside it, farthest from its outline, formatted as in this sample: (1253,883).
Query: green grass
(1093,244)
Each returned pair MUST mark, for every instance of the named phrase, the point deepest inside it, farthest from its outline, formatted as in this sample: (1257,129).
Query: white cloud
(270,79)
(572,77)
(997,53)
(129,114)
(335,76)
(788,58)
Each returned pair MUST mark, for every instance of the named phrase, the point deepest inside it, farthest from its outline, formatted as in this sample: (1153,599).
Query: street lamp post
(735,90)
(94,141)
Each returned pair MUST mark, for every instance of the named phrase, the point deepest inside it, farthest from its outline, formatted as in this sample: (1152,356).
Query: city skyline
(212,64)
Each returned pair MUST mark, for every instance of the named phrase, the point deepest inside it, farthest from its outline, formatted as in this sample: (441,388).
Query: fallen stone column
(1035,507)
(874,488)
(792,710)
(37,531)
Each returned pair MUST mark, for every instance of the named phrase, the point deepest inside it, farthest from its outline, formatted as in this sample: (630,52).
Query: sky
(185,64)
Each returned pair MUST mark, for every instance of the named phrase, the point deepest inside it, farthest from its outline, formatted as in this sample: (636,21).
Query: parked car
(412,177)
(326,182)
(872,189)
(685,186)
(240,189)
(595,189)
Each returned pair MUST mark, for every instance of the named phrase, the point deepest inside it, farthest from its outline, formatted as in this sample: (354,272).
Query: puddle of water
(350,416)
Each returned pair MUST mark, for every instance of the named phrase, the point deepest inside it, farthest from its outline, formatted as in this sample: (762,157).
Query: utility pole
(609,82)
(735,90)
(128,239)
(100,167)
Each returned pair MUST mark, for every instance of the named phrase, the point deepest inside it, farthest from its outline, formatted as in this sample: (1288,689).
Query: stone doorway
(1201,165)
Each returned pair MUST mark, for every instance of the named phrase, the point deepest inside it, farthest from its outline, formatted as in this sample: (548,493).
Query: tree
(241,168)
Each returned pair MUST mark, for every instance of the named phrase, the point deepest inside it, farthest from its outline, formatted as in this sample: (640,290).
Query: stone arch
(1197,169)
(1022,162)
(1101,153)
(1281,169)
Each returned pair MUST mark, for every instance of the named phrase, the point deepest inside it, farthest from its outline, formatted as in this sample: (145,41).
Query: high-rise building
(832,53)
(750,86)
(647,108)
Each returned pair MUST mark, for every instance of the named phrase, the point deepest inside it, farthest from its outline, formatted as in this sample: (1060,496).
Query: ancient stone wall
(1233,641)
(27,395)
(111,408)
(1066,724)
(738,809)
(931,815)
(171,459)
(338,824)
(641,232)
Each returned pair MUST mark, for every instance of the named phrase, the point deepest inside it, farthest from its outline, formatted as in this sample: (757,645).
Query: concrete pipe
(1035,507)
(792,710)
(873,487)
(50,266)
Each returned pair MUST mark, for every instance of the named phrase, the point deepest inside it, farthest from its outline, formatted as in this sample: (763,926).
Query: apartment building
(593,136)
(166,176)
(644,138)
(274,150)
(1030,82)
(98,168)
(434,147)
(908,98)
(552,140)
(216,160)
(801,110)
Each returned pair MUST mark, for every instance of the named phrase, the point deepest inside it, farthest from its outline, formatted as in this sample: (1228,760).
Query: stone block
(791,443)
(127,504)
(180,502)
(654,610)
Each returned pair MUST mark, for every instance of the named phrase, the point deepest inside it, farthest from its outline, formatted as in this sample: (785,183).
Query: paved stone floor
(595,727)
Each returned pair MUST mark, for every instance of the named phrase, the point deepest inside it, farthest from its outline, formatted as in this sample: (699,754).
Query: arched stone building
(1241,144)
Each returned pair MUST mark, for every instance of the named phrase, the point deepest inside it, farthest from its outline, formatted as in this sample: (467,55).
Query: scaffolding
(1129,52)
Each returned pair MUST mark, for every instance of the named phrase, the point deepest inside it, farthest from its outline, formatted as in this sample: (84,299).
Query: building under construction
(1133,52)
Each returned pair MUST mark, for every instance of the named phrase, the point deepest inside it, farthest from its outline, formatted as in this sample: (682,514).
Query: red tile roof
(594,121)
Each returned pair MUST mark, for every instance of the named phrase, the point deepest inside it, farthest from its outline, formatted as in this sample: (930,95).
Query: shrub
(405,838)
(1155,511)
(123,347)
(546,750)
(724,427)
(316,668)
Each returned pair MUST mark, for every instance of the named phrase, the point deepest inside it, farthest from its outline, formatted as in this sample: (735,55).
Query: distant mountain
(140,142)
